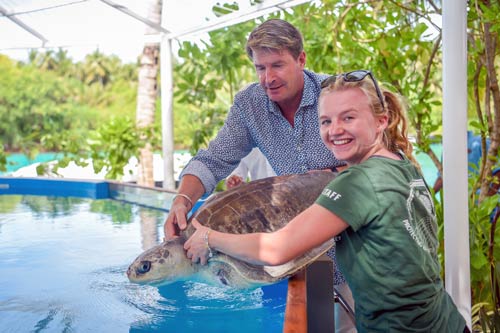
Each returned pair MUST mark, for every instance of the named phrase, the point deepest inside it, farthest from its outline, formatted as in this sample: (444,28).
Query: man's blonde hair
(275,35)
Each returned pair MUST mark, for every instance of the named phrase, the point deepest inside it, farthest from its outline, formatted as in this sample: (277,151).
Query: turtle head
(162,264)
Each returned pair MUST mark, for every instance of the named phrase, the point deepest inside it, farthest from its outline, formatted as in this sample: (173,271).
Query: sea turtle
(263,205)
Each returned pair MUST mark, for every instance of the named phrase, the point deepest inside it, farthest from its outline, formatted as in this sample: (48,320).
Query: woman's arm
(307,230)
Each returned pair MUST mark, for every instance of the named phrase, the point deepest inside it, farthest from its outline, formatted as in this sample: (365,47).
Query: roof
(113,26)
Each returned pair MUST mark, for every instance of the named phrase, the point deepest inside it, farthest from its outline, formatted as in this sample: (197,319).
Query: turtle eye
(144,267)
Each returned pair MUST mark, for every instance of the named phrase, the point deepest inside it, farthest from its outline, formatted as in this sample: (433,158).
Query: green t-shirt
(388,253)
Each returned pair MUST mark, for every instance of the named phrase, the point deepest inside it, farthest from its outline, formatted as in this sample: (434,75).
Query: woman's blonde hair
(395,136)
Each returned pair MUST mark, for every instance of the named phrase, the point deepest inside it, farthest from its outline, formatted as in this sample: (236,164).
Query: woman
(380,206)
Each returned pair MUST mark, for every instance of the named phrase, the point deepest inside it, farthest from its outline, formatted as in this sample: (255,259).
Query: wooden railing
(296,304)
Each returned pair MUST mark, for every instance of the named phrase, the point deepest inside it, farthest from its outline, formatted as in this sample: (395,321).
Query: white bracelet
(185,196)
(205,237)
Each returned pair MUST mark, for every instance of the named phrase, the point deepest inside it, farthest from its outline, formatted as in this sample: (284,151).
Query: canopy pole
(167,102)
(455,182)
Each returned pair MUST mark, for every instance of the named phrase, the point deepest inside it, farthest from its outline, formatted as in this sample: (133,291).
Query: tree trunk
(146,95)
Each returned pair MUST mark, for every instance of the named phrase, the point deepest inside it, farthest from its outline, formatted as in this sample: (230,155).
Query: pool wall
(54,187)
(156,198)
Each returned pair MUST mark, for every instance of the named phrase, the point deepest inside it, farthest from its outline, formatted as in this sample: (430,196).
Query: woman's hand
(198,245)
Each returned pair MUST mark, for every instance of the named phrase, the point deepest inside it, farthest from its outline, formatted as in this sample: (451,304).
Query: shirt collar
(311,90)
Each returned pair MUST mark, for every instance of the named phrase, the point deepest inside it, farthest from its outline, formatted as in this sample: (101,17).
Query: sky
(87,25)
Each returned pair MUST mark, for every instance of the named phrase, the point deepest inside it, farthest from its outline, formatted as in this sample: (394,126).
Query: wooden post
(296,304)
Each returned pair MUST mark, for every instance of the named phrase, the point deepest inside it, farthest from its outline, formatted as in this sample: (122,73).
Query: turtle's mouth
(154,283)
(135,278)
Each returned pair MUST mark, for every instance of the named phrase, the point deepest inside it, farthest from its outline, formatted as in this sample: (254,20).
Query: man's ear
(302,59)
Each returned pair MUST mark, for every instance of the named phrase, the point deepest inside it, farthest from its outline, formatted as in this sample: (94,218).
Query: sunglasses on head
(354,76)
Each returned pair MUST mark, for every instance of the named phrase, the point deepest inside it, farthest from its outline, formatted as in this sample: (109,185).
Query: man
(278,115)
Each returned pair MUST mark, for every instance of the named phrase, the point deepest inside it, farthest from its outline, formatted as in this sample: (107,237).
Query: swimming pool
(62,269)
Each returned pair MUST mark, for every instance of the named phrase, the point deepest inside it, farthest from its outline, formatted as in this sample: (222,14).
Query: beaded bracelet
(185,196)
(205,237)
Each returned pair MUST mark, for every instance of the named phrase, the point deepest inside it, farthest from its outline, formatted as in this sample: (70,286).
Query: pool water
(62,269)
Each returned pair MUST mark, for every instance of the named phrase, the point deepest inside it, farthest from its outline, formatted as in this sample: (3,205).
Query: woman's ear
(382,122)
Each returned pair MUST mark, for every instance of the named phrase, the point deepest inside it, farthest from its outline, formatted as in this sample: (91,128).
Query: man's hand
(176,219)
(190,190)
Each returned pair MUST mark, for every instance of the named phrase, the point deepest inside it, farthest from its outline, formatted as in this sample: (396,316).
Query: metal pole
(455,187)
(167,101)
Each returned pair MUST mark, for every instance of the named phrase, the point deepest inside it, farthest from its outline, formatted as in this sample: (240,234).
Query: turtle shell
(264,205)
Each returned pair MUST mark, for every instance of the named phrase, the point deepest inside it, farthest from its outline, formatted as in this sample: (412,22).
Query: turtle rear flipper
(294,265)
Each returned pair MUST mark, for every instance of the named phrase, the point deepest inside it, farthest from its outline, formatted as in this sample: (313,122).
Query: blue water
(62,269)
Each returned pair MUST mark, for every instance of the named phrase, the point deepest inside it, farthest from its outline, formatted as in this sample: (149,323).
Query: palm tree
(147,93)
(96,69)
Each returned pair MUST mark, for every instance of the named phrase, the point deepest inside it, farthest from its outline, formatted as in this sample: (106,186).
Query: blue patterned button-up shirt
(256,121)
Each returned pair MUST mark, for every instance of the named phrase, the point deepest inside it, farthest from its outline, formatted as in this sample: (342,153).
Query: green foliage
(207,79)
(480,228)
(391,40)
(3,160)
(50,104)
(108,148)
(114,143)
(185,117)
(485,274)
(209,120)
(484,105)
(32,104)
